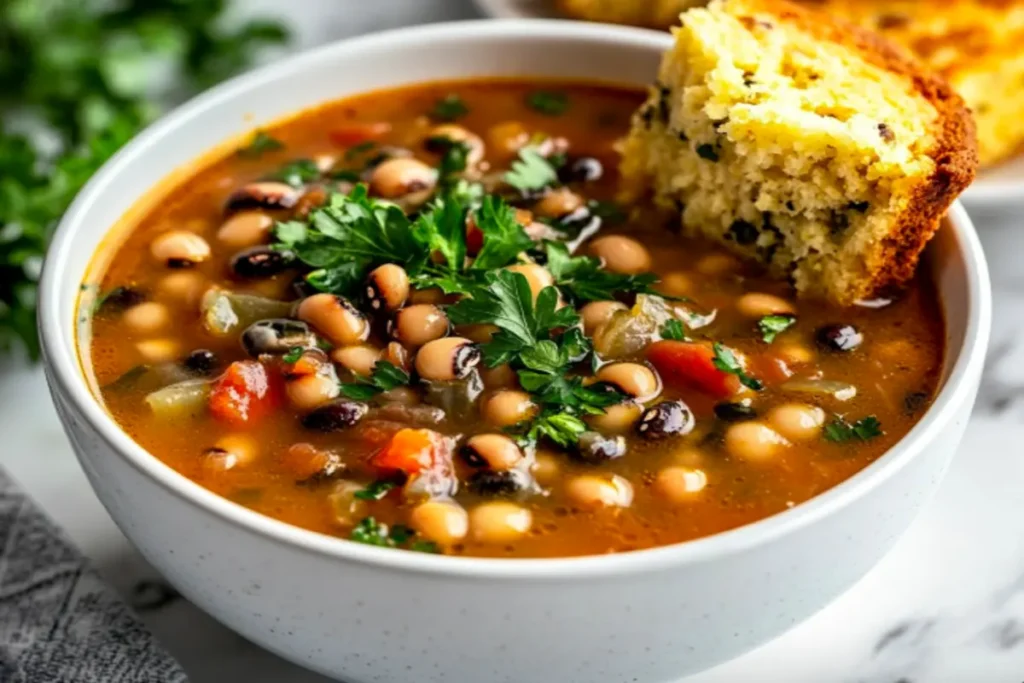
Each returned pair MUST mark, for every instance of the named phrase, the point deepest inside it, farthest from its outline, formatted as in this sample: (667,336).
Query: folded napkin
(59,622)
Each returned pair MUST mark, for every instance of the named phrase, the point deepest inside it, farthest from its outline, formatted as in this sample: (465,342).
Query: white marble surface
(946,606)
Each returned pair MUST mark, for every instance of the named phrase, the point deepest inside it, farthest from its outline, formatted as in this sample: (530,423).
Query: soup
(418,319)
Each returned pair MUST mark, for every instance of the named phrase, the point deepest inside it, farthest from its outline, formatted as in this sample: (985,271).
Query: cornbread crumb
(974,44)
(802,142)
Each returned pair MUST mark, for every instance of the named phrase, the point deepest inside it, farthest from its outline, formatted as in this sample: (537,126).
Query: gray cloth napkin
(59,622)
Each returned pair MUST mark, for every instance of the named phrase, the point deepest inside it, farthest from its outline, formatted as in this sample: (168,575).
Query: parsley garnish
(375,490)
(726,361)
(453,156)
(585,279)
(504,237)
(507,302)
(548,102)
(296,173)
(864,429)
(772,325)
(531,171)
(449,108)
(673,329)
(385,377)
(372,532)
(293,355)
(358,150)
(260,144)
(562,428)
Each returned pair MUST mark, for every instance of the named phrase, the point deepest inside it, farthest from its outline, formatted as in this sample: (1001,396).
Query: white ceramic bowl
(364,613)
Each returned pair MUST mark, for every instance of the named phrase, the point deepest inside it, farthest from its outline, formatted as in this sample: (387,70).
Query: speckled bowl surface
(364,614)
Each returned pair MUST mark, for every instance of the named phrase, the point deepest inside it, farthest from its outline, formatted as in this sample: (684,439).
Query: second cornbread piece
(803,142)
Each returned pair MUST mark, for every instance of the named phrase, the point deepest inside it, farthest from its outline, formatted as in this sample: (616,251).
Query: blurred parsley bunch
(78,78)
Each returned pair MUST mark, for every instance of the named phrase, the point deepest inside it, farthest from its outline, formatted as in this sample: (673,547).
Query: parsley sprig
(385,377)
(583,278)
(772,326)
(864,429)
(371,532)
(725,360)
(531,171)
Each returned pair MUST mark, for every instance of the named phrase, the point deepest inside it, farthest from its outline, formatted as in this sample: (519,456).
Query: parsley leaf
(375,490)
(507,302)
(726,361)
(673,329)
(561,428)
(531,171)
(371,532)
(454,156)
(296,173)
(548,102)
(260,144)
(293,355)
(385,377)
(504,238)
(449,108)
(585,280)
(864,429)
(772,325)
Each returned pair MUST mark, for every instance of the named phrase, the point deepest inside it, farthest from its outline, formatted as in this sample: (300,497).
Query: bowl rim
(67,377)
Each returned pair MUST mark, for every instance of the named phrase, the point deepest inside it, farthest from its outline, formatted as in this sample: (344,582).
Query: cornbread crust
(955,151)
(887,262)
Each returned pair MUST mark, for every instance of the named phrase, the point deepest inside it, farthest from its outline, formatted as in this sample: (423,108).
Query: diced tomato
(353,134)
(474,239)
(770,368)
(691,364)
(245,393)
(413,451)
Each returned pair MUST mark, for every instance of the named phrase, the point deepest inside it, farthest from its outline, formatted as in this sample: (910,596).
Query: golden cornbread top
(761,78)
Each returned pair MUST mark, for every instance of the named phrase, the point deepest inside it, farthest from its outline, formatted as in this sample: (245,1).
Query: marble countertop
(946,606)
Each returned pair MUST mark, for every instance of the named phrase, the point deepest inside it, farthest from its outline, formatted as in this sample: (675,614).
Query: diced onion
(178,400)
(841,391)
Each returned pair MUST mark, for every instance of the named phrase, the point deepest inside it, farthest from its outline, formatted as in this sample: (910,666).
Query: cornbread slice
(974,44)
(803,142)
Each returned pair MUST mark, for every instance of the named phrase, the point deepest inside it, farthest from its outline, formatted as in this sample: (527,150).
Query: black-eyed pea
(266,195)
(387,287)
(158,350)
(444,522)
(676,283)
(430,295)
(180,249)
(558,203)
(399,177)
(597,313)
(797,421)
(308,392)
(616,419)
(357,359)
(185,286)
(508,407)
(508,137)
(600,491)
(231,451)
(480,334)
(795,354)
(493,451)
(621,254)
(499,522)
(680,484)
(447,359)
(718,263)
(245,229)
(536,276)
(500,377)
(335,318)
(759,305)
(546,468)
(418,324)
(635,380)
(456,133)
(397,355)
(754,441)
(147,317)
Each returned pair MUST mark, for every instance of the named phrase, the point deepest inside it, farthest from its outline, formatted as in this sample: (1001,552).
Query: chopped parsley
(371,532)
(583,278)
(454,155)
(531,171)
(356,151)
(673,329)
(726,361)
(548,102)
(385,377)
(260,144)
(864,429)
(375,490)
(297,173)
(293,355)
(771,326)
(449,108)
